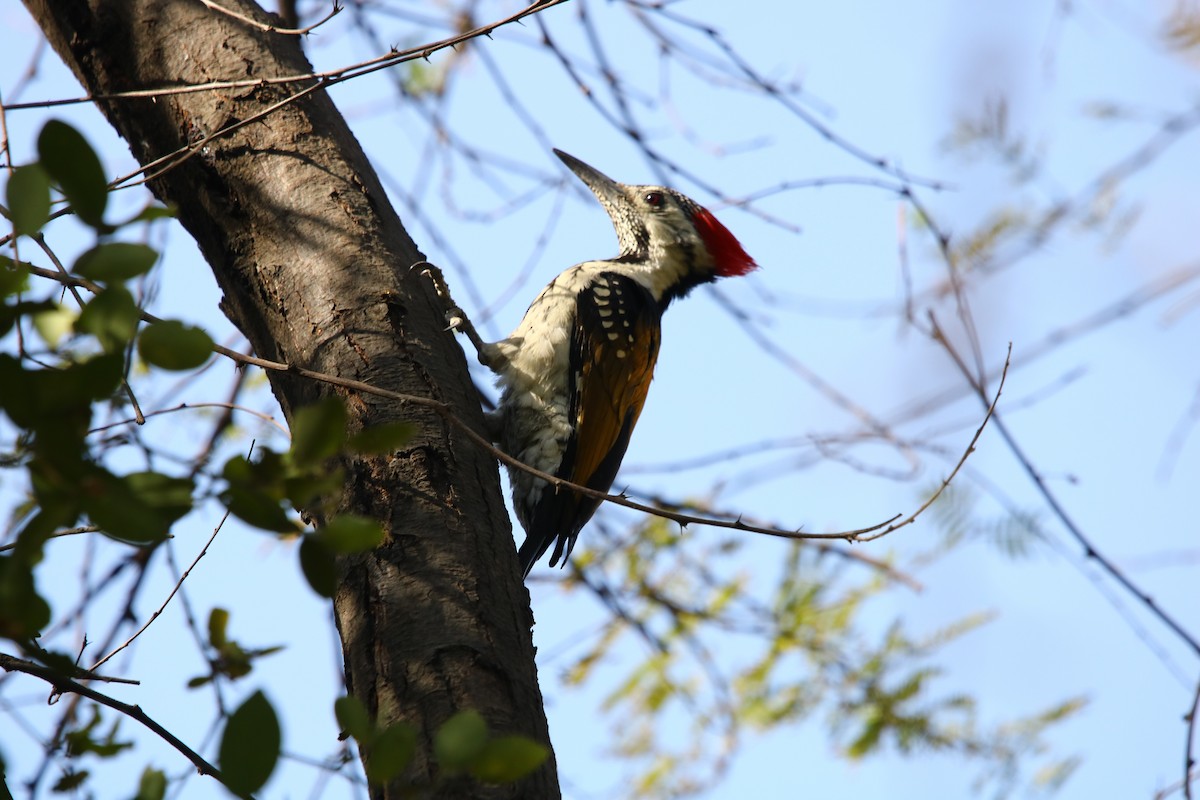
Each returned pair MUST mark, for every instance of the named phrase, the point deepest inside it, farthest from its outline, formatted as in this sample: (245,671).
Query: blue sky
(1098,416)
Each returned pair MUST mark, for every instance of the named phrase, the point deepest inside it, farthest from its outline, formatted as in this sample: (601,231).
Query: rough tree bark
(313,263)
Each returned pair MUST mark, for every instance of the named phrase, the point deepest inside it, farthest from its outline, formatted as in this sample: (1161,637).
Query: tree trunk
(314,266)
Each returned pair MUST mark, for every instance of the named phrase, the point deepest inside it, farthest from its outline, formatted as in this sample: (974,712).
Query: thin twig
(991,410)
(1189,743)
(56,534)
(770,346)
(954,271)
(850,554)
(177,157)
(81,673)
(262,26)
(267,418)
(178,584)
(1174,786)
(742,67)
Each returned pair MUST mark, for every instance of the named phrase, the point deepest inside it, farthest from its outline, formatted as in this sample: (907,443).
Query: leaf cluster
(462,744)
(50,398)
(806,647)
(80,364)
(261,489)
(98,738)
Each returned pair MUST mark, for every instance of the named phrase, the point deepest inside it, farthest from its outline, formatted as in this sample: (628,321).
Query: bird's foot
(457,319)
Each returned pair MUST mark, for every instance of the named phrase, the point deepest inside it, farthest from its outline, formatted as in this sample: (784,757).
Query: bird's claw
(455,320)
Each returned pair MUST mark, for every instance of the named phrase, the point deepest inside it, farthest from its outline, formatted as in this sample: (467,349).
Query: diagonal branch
(332,76)
(337,9)
(1060,512)
(1189,761)
(68,686)
(448,414)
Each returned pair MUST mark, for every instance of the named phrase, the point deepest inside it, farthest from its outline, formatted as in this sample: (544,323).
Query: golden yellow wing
(613,352)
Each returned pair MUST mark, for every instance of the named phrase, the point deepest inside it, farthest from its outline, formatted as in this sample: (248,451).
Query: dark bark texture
(314,266)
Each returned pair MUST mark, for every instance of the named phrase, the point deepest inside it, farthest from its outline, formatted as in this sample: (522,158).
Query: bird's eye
(654,199)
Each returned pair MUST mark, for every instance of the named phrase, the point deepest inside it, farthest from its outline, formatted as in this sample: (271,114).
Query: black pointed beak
(607,191)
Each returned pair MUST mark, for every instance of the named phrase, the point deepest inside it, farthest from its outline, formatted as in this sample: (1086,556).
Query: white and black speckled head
(678,242)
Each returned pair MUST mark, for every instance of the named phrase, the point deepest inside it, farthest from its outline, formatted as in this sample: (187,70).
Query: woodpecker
(575,372)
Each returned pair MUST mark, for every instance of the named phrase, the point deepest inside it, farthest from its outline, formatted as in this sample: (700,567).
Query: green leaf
(76,168)
(14,276)
(138,508)
(52,325)
(11,312)
(250,745)
(265,473)
(171,497)
(88,740)
(354,719)
(508,758)
(112,317)
(46,399)
(31,541)
(258,509)
(109,503)
(307,489)
(218,621)
(23,612)
(172,345)
(255,491)
(460,740)
(319,565)
(153,212)
(380,439)
(116,261)
(60,662)
(69,781)
(350,533)
(28,195)
(391,752)
(318,431)
(152,786)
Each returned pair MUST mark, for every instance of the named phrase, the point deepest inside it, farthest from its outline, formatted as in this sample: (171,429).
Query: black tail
(531,550)
(557,520)
(534,548)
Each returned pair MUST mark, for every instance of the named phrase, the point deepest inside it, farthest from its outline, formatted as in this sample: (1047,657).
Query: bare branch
(267,418)
(849,554)
(56,534)
(328,77)
(337,8)
(448,414)
(68,686)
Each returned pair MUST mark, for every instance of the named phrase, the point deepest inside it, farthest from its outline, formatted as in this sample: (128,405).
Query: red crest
(727,252)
